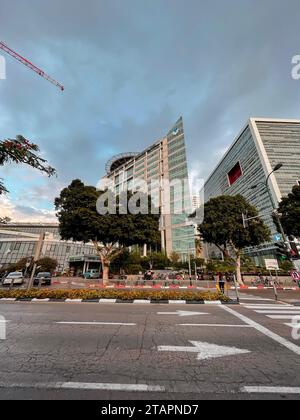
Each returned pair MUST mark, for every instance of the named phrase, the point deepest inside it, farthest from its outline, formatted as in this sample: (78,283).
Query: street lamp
(266,186)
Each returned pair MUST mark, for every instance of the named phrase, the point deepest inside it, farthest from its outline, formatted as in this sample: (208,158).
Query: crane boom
(28,64)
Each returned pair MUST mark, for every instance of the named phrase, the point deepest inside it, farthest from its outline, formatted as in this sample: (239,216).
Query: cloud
(130,69)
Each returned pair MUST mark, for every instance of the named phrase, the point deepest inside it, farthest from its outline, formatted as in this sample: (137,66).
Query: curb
(105,301)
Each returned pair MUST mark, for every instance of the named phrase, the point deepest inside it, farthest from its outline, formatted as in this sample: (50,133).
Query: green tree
(4,220)
(158,261)
(110,233)
(223,227)
(174,257)
(19,151)
(47,264)
(289,209)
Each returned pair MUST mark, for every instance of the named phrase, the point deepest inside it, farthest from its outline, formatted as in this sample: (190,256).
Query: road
(146,351)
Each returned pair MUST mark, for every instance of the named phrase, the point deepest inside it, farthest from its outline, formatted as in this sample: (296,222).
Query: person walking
(222,282)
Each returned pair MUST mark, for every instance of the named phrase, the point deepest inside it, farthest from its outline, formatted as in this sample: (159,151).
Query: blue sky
(130,69)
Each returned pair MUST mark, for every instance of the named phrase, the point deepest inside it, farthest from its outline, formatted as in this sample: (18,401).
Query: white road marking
(110,387)
(183,313)
(255,299)
(269,307)
(214,325)
(275,311)
(291,346)
(93,323)
(293,325)
(205,351)
(282,317)
(270,390)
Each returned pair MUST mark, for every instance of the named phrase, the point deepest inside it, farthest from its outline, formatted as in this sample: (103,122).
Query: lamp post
(266,185)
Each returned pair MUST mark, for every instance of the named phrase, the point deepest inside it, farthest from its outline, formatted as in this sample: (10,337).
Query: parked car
(16,277)
(42,278)
(91,274)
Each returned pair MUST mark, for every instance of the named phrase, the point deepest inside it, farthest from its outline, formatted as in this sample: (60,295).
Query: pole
(36,257)
(274,286)
(236,289)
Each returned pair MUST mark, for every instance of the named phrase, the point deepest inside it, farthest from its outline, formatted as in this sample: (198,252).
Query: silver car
(15,277)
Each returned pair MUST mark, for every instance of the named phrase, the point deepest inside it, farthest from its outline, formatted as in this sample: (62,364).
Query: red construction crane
(29,64)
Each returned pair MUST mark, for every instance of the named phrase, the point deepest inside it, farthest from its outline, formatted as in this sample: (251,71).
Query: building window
(17,246)
(235,174)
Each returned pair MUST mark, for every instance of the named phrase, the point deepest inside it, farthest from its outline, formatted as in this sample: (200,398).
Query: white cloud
(26,214)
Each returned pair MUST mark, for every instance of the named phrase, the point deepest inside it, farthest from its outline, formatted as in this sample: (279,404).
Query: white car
(17,278)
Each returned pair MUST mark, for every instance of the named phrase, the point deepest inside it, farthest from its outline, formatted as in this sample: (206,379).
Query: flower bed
(153,295)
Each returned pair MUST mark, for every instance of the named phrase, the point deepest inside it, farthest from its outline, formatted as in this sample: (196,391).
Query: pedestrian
(222,282)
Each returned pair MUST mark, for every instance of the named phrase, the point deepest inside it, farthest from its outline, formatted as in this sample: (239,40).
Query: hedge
(114,294)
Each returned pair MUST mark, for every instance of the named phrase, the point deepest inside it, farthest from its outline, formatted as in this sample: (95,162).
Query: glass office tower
(164,161)
(261,145)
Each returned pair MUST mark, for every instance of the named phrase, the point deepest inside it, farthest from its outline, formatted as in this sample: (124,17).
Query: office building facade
(260,146)
(19,240)
(165,161)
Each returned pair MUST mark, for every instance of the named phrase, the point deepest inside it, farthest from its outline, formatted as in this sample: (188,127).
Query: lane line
(275,337)
(214,325)
(110,387)
(94,323)
(270,390)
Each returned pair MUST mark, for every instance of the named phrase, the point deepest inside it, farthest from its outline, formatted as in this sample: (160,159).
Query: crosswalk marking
(275,311)
(282,316)
(278,312)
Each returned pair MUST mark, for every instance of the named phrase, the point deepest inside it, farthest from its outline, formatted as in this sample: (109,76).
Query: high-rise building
(260,146)
(162,163)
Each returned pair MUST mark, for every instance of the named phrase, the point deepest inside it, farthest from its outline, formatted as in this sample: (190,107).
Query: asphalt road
(144,351)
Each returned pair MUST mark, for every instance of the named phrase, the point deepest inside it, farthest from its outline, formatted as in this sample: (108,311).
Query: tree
(4,220)
(19,151)
(110,233)
(174,257)
(158,260)
(223,227)
(47,264)
(289,209)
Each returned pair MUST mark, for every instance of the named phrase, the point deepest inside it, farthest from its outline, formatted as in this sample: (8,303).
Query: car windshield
(15,275)
(43,275)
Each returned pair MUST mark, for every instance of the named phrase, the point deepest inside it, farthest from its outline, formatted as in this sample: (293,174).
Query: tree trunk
(238,269)
(105,269)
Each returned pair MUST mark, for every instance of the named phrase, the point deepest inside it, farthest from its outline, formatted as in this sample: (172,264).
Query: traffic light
(295,251)
(282,251)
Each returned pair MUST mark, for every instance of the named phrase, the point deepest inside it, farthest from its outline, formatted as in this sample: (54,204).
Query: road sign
(205,351)
(277,237)
(182,313)
(271,264)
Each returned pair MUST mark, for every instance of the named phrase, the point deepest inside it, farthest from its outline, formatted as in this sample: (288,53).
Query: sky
(130,69)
